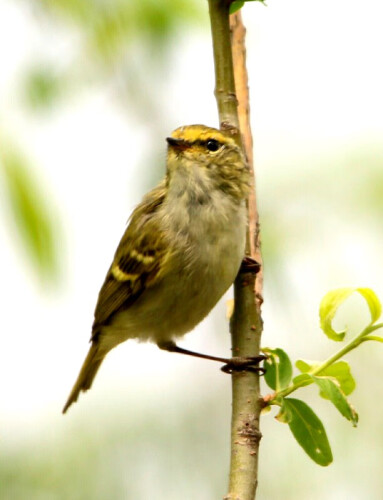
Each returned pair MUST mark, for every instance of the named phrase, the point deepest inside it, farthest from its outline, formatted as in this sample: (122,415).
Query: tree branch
(223,64)
(246,322)
(242,91)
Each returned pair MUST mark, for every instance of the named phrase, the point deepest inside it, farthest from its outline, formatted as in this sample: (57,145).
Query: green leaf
(278,368)
(327,309)
(373,303)
(307,429)
(303,379)
(234,6)
(342,373)
(335,298)
(333,392)
(339,370)
(266,409)
(306,366)
(238,4)
(31,214)
(285,415)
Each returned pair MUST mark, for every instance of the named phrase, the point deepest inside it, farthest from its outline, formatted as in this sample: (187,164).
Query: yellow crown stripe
(200,133)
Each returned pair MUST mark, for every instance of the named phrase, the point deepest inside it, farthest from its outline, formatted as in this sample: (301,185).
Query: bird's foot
(248,364)
(249,265)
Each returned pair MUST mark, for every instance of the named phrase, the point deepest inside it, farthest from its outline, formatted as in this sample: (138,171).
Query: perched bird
(181,251)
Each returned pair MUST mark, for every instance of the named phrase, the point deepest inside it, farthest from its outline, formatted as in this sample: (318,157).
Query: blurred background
(88,92)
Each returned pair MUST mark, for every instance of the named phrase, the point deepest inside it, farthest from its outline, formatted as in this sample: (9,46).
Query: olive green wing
(137,263)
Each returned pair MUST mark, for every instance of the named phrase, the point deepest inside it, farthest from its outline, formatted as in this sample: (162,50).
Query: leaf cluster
(332,377)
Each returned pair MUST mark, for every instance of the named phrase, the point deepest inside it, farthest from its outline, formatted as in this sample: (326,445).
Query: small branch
(246,322)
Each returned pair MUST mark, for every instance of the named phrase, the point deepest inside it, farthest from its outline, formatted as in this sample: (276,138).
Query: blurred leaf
(74,8)
(116,24)
(42,87)
(122,45)
(109,25)
(30,213)
(330,390)
(307,429)
(278,368)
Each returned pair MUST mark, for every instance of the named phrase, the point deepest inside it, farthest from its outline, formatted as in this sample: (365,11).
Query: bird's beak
(179,144)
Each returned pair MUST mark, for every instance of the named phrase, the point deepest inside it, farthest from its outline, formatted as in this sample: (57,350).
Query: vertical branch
(238,32)
(246,322)
(223,64)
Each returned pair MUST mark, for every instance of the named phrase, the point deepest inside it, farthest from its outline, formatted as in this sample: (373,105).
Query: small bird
(181,251)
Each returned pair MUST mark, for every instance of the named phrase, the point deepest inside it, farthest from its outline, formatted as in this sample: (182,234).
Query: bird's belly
(182,300)
(201,273)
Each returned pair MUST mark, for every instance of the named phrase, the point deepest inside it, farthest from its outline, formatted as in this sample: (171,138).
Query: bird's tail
(87,373)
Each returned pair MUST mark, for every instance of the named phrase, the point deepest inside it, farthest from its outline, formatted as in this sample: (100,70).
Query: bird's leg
(231,364)
(173,347)
(248,265)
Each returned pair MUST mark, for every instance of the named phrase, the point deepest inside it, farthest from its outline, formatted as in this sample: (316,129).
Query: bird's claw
(248,364)
(249,265)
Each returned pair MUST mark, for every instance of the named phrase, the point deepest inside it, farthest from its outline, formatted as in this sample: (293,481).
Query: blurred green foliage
(42,87)
(111,23)
(137,457)
(113,38)
(109,30)
(33,216)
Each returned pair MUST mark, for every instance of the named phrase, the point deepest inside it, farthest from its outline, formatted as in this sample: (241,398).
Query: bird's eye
(213,145)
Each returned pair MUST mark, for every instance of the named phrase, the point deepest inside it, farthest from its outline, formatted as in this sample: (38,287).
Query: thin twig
(246,322)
